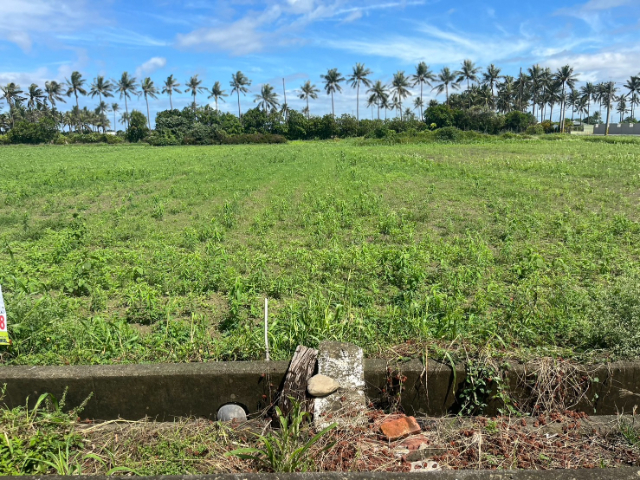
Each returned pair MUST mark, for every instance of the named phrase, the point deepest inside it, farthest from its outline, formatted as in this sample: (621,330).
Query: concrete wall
(617,129)
(165,391)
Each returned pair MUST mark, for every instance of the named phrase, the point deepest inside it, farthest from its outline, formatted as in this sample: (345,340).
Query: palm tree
(308,91)
(11,93)
(332,81)
(217,93)
(446,77)
(633,85)
(469,72)
(171,85)
(148,90)
(607,94)
(267,98)
(622,106)
(114,108)
(101,88)
(75,86)
(423,76)
(399,88)
(567,78)
(54,92)
(418,104)
(379,95)
(536,79)
(359,76)
(491,76)
(125,87)
(35,96)
(588,92)
(193,86)
(240,84)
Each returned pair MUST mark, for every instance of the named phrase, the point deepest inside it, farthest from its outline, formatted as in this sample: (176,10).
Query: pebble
(321,386)
(230,412)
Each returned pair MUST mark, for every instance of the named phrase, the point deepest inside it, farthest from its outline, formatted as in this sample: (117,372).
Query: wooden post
(302,368)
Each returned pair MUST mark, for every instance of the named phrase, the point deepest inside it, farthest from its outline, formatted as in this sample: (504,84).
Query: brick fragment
(400,428)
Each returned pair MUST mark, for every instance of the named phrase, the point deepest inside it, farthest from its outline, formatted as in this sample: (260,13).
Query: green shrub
(448,134)
(44,131)
(138,128)
(535,130)
(4,140)
(439,115)
(253,138)
(518,121)
(159,140)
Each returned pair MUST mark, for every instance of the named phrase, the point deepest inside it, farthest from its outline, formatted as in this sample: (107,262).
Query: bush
(253,138)
(159,140)
(535,130)
(518,121)
(138,128)
(439,115)
(4,140)
(44,131)
(448,134)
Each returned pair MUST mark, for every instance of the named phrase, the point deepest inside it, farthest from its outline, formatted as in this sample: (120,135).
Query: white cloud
(600,66)
(21,20)
(150,66)
(437,46)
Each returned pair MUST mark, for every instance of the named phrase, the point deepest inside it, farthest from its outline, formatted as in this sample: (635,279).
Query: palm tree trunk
(239,113)
(216,104)
(333,110)
(358,101)
(146,99)
(446,85)
(126,109)
(421,103)
(170,100)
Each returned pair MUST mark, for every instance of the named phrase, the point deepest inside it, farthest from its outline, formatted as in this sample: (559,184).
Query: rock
(425,454)
(425,466)
(321,386)
(400,427)
(415,443)
(230,412)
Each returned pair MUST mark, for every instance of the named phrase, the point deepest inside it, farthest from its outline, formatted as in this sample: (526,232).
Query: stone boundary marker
(165,391)
(595,474)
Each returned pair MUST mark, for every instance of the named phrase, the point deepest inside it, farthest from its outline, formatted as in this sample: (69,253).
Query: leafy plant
(287,449)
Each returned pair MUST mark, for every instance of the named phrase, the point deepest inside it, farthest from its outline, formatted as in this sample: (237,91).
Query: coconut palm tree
(35,96)
(607,94)
(633,85)
(114,108)
(567,78)
(54,91)
(126,86)
(148,89)
(446,78)
(101,88)
(171,85)
(378,95)
(622,106)
(423,76)
(359,76)
(194,87)
(12,94)
(507,94)
(536,79)
(267,98)
(469,72)
(400,88)
(75,86)
(332,80)
(418,104)
(588,92)
(308,91)
(217,93)
(491,76)
(240,84)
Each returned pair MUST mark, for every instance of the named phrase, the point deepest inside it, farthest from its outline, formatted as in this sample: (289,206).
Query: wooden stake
(266,326)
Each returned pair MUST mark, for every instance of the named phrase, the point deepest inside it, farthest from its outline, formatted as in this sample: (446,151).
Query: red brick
(414,443)
(400,428)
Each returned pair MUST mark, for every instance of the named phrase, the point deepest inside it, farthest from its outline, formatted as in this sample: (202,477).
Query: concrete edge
(595,474)
(165,391)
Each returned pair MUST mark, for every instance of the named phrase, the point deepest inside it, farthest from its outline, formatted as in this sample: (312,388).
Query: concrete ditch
(166,391)
(596,474)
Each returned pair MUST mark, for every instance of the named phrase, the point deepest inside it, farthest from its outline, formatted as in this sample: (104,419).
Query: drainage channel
(163,392)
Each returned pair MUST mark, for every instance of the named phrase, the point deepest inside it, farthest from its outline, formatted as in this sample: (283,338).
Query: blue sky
(300,39)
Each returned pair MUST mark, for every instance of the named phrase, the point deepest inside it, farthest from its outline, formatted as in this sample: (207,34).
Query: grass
(122,254)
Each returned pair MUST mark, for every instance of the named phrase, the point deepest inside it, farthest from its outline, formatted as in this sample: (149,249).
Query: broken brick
(400,428)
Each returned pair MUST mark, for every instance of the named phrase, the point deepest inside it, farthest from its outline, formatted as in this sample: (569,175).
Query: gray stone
(344,363)
(230,412)
(321,386)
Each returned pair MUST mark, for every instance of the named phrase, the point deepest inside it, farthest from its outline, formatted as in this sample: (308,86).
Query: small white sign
(4,335)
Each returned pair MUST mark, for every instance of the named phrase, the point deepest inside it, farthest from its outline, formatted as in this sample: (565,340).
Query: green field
(114,254)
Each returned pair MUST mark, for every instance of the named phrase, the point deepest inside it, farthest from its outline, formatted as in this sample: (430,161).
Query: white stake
(266,326)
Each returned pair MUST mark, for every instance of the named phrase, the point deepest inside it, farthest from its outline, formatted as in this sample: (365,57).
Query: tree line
(537,90)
